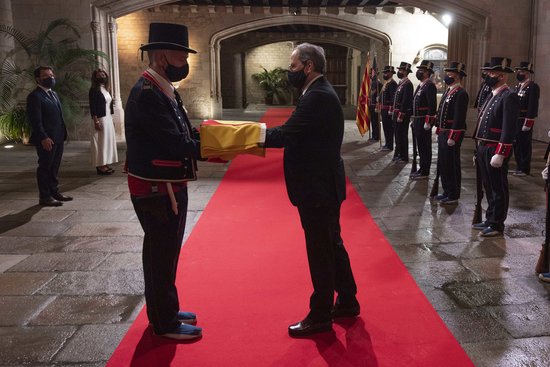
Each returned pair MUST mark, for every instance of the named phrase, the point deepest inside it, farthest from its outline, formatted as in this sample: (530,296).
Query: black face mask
(48,82)
(419,75)
(449,80)
(491,81)
(176,74)
(400,75)
(297,78)
(386,76)
(520,77)
(483,75)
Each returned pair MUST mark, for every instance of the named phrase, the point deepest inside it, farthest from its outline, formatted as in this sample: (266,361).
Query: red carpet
(244,271)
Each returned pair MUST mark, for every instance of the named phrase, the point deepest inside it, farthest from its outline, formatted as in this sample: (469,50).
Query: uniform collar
(455,86)
(499,89)
(166,87)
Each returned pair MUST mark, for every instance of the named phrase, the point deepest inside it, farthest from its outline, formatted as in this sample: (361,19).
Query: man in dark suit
(495,132)
(528,92)
(385,105)
(315,179)
(48,135)
(424,109)
(451,127)
(402,110)
(161,158)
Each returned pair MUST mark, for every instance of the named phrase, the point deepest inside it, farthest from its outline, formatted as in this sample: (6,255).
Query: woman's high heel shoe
(103,173)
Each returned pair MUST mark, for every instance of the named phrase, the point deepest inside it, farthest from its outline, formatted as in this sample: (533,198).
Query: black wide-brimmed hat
(388,69)
(525,65)
(426,65)
(167,36)
(405,66)
(456,67)
(499,64)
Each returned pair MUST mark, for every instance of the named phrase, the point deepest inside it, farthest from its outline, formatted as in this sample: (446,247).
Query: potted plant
(274,82)
(56,46)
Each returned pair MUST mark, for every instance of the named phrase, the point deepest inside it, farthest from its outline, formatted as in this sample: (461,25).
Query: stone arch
(340,24)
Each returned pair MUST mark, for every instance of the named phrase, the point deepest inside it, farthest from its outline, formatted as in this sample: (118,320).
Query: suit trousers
(387,125)
(423,144)
(163,236)
(48,168)
(329,263)
(495,184)
(523,150)
(401,138)
(374,123)
(448,164)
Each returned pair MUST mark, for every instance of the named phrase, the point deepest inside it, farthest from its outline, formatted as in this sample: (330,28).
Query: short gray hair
(308,51)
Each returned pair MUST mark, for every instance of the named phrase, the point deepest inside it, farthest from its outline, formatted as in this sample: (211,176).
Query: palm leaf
(22,40)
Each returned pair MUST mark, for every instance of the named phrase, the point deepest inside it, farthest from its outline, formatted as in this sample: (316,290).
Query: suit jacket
(160,145)
(498,121)
(98,105)
(45,117)
(528,99)
(425,99)
(312,138)
(402,103)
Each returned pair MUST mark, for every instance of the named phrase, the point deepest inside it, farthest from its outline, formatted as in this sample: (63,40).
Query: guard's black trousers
(423,144)
(522,150)
(401,138)
(328,259)
(161,248)
(495,185)
(374,124)
(448,165)
(387,125)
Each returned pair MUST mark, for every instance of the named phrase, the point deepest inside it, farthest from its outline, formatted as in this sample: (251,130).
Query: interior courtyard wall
(542,70)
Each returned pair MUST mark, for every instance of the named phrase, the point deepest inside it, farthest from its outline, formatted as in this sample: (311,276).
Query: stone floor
(71,284)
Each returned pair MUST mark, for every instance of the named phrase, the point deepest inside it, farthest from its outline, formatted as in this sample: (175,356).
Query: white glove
(451,143)
(497,160)
(525,128)
(544,173)
(474,160)
(427,126)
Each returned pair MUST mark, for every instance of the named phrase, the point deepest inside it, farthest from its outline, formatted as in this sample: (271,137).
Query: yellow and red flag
(362,118)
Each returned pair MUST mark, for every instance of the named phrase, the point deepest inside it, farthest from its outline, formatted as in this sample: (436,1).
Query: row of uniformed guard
(504,125)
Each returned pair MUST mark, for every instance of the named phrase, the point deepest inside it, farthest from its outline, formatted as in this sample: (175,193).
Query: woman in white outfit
(103,144)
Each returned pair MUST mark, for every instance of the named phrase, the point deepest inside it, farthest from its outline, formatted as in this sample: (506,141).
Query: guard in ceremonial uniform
(402,110)
(385,105)
(484,90)
(528,92)
(451,127)
(162,149)
(424,109)
(495,132)
(374,92)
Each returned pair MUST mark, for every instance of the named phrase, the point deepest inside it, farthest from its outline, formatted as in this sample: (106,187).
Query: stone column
(118,118)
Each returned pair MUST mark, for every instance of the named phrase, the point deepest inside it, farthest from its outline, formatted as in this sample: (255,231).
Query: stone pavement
(71,284)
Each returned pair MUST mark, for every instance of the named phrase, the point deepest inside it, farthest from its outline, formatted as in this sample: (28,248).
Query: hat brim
(506,69)
(456,71)
(166,46)
(388,71)
(525,69)
(407,70)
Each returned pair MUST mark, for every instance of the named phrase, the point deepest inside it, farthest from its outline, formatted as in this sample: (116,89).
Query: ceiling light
(447,19)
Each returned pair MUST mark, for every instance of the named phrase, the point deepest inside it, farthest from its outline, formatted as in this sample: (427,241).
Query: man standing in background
(385,102)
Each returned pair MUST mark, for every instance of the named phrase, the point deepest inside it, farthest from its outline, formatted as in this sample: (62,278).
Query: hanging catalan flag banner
(362,116)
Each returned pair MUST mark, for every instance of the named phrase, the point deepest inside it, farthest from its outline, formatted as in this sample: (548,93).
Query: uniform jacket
(425,99)
(482,93)
(387,95)
(98,106)
(452,110)
(158,136)
(45,117)
(402,103)
(312,138)
(375,88)
(528,99)
(498,121)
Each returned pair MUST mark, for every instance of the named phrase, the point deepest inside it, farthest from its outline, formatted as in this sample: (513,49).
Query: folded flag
(226,139)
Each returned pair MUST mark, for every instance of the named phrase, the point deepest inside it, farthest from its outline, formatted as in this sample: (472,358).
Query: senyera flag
(362,118)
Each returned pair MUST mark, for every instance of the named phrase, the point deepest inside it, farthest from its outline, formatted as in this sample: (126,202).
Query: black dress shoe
(49,202)
(62,197)
(307,327)
(345,311)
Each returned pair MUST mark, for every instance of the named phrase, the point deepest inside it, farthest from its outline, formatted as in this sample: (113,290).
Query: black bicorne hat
(499,64)
(426,65)
(167,36)
(405,66)
(457,67)
(388,69)
(525,65)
